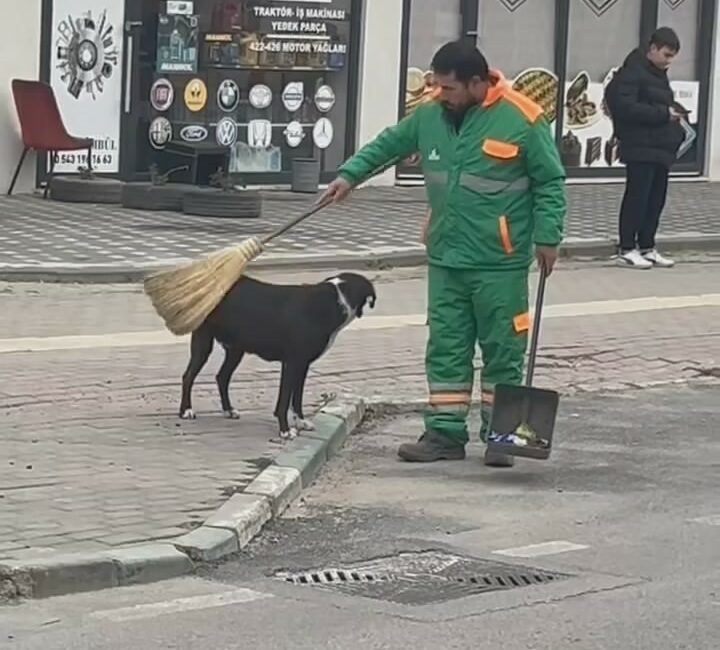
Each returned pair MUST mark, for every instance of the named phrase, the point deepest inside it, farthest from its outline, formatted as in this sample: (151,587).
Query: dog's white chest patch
(347,310)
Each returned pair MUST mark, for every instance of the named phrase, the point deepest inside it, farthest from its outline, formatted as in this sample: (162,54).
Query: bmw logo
(228,96)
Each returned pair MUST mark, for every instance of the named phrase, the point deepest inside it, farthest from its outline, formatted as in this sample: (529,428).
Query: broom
(185,296)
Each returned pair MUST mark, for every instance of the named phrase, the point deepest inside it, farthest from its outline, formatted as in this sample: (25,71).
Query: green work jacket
(495,187)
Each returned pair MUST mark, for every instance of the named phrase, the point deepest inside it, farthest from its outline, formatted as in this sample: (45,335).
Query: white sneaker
(658,260)
(634,260)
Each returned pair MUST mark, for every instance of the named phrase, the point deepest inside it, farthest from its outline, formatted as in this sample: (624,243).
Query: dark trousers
(642,205)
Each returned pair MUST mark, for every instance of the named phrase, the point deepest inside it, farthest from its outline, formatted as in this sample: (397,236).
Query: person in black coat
(646,122)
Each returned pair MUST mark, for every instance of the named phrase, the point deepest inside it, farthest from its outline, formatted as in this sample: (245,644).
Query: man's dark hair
(463,59)
(665,37)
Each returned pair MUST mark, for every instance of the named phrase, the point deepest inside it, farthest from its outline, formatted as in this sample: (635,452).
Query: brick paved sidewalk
(376,223)
(92,453)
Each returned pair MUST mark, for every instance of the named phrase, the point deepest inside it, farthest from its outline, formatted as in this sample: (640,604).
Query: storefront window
(504,29)
(517,34)
(432,24)
(682,16)
(602,34)
(519,37)
(267,80)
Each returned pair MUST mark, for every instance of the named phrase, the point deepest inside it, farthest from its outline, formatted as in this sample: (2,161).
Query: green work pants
(465,308)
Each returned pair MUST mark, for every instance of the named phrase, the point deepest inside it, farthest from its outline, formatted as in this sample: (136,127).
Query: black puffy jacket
(640,105)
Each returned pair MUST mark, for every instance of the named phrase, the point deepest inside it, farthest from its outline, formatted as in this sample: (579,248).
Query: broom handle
(291,224)
(319,206)
(536,326)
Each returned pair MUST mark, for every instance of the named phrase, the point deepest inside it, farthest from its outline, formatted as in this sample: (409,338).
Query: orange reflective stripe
(447,399)
(505,235)
(521,322)
(487,397)
(500,149)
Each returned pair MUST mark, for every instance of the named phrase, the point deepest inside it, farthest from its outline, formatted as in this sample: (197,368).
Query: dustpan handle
(536,326)
(319,206)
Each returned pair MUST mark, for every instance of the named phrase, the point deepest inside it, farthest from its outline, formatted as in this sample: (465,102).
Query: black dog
(293,324)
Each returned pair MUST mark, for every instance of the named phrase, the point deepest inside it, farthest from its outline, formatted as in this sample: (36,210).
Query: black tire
(210,202)
(146,196)
(70,189)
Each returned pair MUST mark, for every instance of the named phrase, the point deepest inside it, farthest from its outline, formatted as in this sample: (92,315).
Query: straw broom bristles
(185,296)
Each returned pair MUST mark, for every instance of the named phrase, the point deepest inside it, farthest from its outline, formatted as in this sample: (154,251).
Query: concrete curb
(598,248)
(225,533)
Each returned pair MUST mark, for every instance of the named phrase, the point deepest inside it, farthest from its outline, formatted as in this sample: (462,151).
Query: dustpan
(523,417)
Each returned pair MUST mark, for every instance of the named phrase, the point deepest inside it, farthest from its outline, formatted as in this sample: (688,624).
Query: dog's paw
(188,414)
(232,414)
(304,425)
(291,434)
(300,423)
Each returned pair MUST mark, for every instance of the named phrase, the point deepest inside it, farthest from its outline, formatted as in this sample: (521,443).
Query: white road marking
(163,337)
(538,550)
(151,610)
(710,520)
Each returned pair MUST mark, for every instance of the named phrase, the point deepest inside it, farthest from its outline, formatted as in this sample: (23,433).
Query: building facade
(276,80)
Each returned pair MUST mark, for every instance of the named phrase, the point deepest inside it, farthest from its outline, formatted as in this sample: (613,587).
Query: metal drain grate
(422,578)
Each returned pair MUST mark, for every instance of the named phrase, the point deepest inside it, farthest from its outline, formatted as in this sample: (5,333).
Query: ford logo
(194,133)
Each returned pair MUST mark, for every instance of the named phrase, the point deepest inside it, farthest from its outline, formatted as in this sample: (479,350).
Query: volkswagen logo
(226,132)
(194,133)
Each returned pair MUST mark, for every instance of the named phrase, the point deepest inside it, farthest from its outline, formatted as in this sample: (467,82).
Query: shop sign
(86,76)
(177,43)
(325,99)
(293,96)
(294,134)
(160,132)
(228,96)
(194,133)
(180,7)
(259,134)
(226,132)
(162,95)
(260,96)
(288,28)
(323,133)
(195,95)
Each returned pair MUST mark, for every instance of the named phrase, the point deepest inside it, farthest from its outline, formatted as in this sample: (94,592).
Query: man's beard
(456,115)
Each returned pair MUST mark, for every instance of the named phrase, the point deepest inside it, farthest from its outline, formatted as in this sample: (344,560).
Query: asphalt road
(627,510)
(628,507)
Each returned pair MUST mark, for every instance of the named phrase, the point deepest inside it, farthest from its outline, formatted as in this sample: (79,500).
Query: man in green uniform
(496,189)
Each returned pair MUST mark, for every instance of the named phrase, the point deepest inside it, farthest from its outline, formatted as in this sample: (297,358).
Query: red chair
(42,125)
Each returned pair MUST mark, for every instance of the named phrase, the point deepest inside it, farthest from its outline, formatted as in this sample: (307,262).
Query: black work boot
(430,448)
